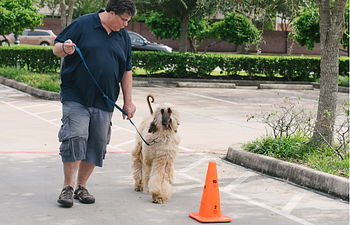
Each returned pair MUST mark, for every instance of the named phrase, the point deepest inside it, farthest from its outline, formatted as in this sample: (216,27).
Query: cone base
(203,219)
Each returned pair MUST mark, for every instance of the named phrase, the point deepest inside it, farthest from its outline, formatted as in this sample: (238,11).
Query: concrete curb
(220,83)
(340,88)
(286,86)
(202,83)
(320,181)
(30,90)
(206,85)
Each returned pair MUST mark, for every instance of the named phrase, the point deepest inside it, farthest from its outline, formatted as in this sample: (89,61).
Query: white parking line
(32,114)
(202,96)
(186,149)
(193,165)
(249,200)
(238,181)
(33,106)
(124,129)
(190,177)
(123,143)
(262,205)
(294,201)
(15,90)
(50,111)
(57,119)
(116,148)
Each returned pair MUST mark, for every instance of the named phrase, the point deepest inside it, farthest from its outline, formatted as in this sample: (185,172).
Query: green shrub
(41,59)
(35,58)
(296,149)
(46,81)
(283,147)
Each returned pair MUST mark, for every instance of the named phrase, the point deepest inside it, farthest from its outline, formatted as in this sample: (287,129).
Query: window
(38,33)
(25,33)
(136,39)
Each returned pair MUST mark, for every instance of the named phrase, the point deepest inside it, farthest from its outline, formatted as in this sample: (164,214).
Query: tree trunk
(183,33)
(331,32)
(192,42)
(70,12)
(244,49)
(63,14)
(66,19)
(211,44)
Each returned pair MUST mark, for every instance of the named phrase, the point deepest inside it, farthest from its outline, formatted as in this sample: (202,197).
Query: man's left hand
(130,109)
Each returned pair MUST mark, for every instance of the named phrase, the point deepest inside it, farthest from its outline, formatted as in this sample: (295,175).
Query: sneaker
(83,195)
(66,197)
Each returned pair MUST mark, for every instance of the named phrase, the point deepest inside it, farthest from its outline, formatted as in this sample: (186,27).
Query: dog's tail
(149,103)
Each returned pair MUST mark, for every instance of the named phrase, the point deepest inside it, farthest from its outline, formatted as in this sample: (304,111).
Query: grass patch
(44,81)
(343,81)
(296,149)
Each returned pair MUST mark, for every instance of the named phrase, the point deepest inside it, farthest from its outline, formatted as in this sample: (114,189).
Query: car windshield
(137,39)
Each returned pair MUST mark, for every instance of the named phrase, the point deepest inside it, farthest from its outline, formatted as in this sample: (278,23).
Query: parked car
(139,43)
(38,37)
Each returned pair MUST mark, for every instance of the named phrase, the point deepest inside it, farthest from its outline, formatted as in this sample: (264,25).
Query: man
(86,114)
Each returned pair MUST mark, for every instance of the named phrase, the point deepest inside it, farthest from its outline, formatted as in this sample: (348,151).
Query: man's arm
(64,49)
(126,84)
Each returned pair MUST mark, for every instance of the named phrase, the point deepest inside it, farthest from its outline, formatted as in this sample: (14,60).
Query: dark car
(139,43)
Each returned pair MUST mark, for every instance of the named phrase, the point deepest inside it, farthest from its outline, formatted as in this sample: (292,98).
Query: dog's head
(165,118)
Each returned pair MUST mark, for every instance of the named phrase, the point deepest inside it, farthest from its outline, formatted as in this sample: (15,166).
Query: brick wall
(275,41)
(53,24)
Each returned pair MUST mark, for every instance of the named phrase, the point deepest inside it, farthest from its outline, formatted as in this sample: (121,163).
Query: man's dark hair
(119,7)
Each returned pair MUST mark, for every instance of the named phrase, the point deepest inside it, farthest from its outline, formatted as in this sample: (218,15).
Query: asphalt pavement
(213,126)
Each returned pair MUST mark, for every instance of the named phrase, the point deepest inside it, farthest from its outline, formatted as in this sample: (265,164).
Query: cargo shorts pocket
(109,133)
(64,137)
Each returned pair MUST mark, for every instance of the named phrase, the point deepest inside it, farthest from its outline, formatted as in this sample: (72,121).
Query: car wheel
(4,43)
(44,43)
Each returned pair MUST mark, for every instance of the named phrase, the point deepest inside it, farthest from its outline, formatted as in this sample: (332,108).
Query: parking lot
(211,121)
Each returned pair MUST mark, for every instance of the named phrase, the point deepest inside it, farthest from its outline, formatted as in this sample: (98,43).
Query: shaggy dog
(153,166)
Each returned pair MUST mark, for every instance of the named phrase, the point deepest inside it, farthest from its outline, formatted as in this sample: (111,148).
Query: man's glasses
(125,20)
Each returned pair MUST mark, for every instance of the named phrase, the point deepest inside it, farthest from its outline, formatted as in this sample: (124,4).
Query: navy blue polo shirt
(107,56)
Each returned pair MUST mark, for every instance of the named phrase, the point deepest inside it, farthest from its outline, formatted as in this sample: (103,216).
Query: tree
(83,7)
(182,11)
(332,22)
(235,28)
(16,16)
(50,4)
(165,28)
(306,28)
(262,13)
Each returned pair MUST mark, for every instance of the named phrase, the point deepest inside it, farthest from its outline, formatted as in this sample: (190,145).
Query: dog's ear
(152,128)
(175,120)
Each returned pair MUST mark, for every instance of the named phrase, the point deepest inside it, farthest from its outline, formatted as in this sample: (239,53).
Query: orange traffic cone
(210,209)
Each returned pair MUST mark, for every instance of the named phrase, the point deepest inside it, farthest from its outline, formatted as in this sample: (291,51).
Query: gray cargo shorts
(84,133)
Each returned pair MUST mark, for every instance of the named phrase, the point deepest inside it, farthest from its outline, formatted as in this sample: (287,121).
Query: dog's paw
(138,188)
(158,199)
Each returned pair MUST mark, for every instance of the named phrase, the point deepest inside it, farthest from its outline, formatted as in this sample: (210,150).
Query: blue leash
(105,96)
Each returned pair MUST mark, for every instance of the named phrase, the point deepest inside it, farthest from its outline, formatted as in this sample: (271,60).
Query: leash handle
(105,96)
